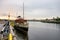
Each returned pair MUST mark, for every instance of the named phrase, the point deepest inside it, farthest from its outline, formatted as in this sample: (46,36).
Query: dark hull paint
(21,29)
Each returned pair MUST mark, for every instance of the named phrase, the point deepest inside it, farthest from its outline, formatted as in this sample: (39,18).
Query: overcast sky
(33,8)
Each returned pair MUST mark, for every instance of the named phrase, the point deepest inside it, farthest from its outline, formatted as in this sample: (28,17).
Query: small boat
(21,25)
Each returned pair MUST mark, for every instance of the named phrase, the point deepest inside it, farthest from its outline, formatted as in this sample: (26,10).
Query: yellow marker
(10,37)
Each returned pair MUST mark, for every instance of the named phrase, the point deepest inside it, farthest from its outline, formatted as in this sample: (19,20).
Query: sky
(32,8)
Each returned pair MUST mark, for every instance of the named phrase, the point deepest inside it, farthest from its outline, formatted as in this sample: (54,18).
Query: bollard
(10,37)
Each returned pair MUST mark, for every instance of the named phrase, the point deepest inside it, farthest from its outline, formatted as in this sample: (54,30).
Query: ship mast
(23,10)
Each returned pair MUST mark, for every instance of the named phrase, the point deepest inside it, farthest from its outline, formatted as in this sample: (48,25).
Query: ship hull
(20,29)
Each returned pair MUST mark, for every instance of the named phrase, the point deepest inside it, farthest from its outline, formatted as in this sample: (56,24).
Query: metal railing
(7,32)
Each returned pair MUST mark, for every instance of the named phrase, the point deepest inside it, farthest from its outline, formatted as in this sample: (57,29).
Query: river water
(41,31)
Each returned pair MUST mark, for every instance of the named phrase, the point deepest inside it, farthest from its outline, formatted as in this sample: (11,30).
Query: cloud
(41,13)
(33,8)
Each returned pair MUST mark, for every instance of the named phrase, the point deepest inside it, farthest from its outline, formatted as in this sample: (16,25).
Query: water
(43,31)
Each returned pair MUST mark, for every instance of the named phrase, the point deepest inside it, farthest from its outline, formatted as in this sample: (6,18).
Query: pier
(7,32)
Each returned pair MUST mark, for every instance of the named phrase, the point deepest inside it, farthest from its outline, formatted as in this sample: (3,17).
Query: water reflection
(21,36)
(58,26)
(44,31)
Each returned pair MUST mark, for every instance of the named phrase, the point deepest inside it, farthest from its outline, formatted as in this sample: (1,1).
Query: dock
(7,32)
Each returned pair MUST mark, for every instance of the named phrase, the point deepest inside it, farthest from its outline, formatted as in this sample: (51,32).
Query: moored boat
(21,25)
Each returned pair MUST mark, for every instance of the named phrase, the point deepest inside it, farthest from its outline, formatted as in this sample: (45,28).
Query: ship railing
(22,25)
